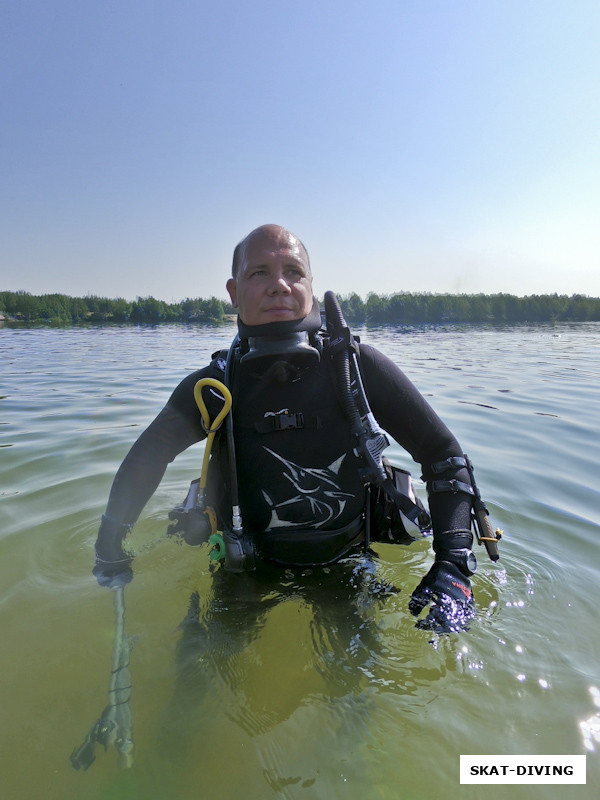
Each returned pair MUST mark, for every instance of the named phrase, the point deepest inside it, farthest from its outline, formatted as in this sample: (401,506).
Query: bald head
(270,235)
(272,280)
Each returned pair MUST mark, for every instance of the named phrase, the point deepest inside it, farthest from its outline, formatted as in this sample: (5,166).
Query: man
(302,495)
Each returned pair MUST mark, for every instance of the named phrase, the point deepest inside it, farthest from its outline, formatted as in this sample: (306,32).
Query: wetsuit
(297,472)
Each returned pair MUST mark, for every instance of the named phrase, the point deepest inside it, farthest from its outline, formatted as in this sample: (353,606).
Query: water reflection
(590,727)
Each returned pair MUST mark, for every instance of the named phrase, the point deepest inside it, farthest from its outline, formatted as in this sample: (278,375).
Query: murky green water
(302,692)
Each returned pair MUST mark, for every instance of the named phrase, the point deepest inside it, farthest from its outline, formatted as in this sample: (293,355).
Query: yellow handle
(210,429)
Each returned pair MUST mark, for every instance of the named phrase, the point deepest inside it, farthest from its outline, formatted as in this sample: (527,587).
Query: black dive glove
(447,586)
(113,565)
(449,592)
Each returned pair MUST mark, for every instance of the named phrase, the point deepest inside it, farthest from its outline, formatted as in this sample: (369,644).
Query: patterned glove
(448,591)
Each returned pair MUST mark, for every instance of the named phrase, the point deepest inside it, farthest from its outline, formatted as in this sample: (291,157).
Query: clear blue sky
(414,145)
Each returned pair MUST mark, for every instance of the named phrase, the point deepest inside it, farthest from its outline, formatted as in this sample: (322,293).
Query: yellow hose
(210,429)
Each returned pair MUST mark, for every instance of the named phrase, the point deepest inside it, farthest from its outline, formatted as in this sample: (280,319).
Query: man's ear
(231,286)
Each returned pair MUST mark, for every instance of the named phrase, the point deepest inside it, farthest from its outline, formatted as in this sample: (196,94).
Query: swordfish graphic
(317,495)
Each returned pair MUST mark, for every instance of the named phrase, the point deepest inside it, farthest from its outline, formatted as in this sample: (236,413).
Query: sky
(413,145)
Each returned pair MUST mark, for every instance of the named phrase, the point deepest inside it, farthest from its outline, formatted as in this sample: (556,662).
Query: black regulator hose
(240,554)
(233,481)
(370,441)
(339,345)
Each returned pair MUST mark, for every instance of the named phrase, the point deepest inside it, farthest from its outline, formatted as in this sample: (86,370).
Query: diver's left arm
(403,412)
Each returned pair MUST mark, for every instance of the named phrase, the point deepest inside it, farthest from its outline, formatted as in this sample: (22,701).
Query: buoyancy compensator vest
(282,353)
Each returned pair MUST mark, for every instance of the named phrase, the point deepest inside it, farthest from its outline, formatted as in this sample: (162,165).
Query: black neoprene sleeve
(145,464)
(404,413)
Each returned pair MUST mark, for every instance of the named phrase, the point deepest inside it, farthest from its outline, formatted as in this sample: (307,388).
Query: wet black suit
(303,476)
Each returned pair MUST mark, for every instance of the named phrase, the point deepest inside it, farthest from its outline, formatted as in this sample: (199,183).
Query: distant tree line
(22,308)
(60,309)
(416,309)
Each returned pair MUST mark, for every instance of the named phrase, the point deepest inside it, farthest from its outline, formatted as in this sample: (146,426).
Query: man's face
(274,281)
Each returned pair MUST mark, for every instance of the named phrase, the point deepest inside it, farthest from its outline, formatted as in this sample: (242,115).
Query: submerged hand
(448,591)
(113,564)
(113,574)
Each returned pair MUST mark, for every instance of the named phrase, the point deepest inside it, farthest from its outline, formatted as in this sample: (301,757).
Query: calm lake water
(335,695)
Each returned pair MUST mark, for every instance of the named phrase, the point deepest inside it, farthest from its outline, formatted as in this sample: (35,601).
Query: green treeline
(22,308)
(416,309)
(60,309)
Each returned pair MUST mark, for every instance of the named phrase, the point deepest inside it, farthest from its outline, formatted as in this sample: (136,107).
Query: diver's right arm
(169,434)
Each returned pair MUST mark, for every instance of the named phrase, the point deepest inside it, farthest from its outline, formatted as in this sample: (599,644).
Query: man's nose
(279,284)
